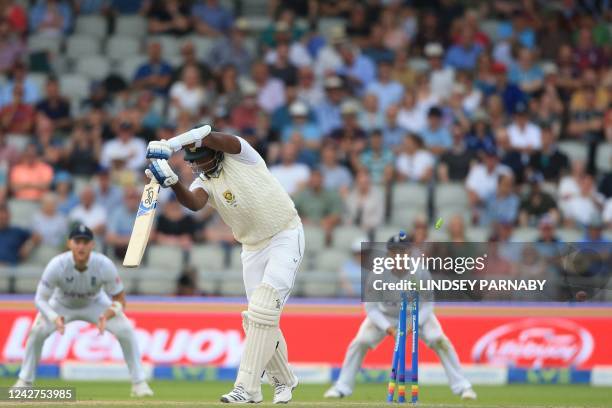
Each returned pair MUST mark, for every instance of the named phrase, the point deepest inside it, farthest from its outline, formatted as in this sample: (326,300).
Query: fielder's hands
(59,324)
(159,149)
(162,172)
(392,331)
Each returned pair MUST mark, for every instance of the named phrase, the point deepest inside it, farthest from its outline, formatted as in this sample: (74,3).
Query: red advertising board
(201,337)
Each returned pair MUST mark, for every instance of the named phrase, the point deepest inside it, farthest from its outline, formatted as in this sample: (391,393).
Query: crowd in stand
(399,92)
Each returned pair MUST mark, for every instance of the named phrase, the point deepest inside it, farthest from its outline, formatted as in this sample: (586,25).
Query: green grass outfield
(204,394)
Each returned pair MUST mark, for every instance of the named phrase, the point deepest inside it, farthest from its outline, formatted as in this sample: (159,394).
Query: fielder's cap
(433,50)
(333,82)
(298,108)
(81,231)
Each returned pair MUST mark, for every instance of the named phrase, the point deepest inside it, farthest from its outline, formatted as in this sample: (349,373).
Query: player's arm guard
(163,173)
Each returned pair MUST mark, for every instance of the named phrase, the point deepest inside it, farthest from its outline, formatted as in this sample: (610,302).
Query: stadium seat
(451,195)
(574,150)
(74,86)
(408,200)
(128,277)
(385,232)
(157,286)
(330,260)
(232,285)
(129,65)
(171,46)
(202,46)
(603,161)
(437,235)
(405,215)
(78,46)
(570,234)
(132,26)
(22,211)
(119,47)
(208,258)
(236,259)
(477,234)
(42,255)
(525,234)
(37,42)
(93,67)
(166,259)
(320,284)
(344,235)
(314,238)
(93,25)
(26,284)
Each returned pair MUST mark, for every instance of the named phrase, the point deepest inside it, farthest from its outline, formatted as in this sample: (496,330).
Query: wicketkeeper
(381,320)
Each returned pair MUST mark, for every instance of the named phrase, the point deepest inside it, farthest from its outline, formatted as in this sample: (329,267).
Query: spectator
(581,208)
(292,176)
(82,155)
(108,195)
(336,177)
(363,203)
(503,206)
(329,59)
(125,148)
(350,271)
(188,94)
(441,78)
(155,74)
(210,18)
(18,116)
(15,15)
(55,106)
(587,54)
(414,163)
(66,198)
(16,243)
(51,18)
(411,117)
(270,91)
(308,91)
(8,153)
(537,204)
(169,17)
(456,229)
(174,227)
(148,114)
(464,55)
(350,137)
(228,89)
(282,68)
(393,133)
(49,224)
(528,76)
(304,133)
(190,58)
(89,212)
(121,221)
(509,156)
(371,117)
(245,114)
(387,91)
(49,145)
(296,53)
(547,232)
(19,76)
(12,48)
(318,206)
(594,235)
(480,137)
(402,72)
(569,186)
(357,69)
(549,161)
(377,160)
(509,92)
(525,136)
(456,162)
(586,122)
(607,213)
(186,284)
(375,48)
(328,111)
(436,136)
(232,50)
(31,178)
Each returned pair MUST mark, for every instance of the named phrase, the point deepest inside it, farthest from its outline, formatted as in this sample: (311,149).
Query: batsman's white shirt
(73,289)
(262,217)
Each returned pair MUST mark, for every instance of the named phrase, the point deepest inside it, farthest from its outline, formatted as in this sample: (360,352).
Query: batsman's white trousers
(119,325)
(430,331)
(276,264)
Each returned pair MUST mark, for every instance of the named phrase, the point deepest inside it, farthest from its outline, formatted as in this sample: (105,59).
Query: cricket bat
(142,225)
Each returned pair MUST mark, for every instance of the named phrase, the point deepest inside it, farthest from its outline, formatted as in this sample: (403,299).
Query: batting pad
(277,369)
(261,336)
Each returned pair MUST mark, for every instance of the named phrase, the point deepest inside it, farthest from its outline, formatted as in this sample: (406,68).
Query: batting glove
(163,173)
(159,149)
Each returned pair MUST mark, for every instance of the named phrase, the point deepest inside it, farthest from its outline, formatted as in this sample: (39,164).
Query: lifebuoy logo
(535,343)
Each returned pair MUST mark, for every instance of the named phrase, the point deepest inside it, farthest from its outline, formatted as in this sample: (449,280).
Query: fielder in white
(381,320)
(234,179)
(76,285)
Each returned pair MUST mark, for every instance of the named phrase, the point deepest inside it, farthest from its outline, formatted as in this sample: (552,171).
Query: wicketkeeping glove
(163,173)
(159,149)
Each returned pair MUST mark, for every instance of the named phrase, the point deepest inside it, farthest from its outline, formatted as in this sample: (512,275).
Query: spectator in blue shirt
(121,221)
(378,160)
(51,17)
(328,112)
(19,75)
(528,76)
(519,29)
(15,243)
(464,55)
(303,132)
(511,94)
(437,138)
(387,90)
(503,206)
(155,74)
(211,18)
(357,69)
(480,138)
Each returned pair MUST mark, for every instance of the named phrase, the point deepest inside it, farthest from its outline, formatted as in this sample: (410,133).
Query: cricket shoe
(22,384)
(468,394)
(283,392)
(141,389)
(240,396)
(333,392)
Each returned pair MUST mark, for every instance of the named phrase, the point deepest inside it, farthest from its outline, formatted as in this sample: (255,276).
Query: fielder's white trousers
(430,331)
(119,325)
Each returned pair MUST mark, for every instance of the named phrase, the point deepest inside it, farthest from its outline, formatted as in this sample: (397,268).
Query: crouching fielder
(234,179)
(76,285)
(381,320)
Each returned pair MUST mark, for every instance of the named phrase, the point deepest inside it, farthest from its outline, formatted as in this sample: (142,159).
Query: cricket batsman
(234,179)
(381,320)
(81,284)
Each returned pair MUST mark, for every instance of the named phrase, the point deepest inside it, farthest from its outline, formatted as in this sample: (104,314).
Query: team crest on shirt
(230,198)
